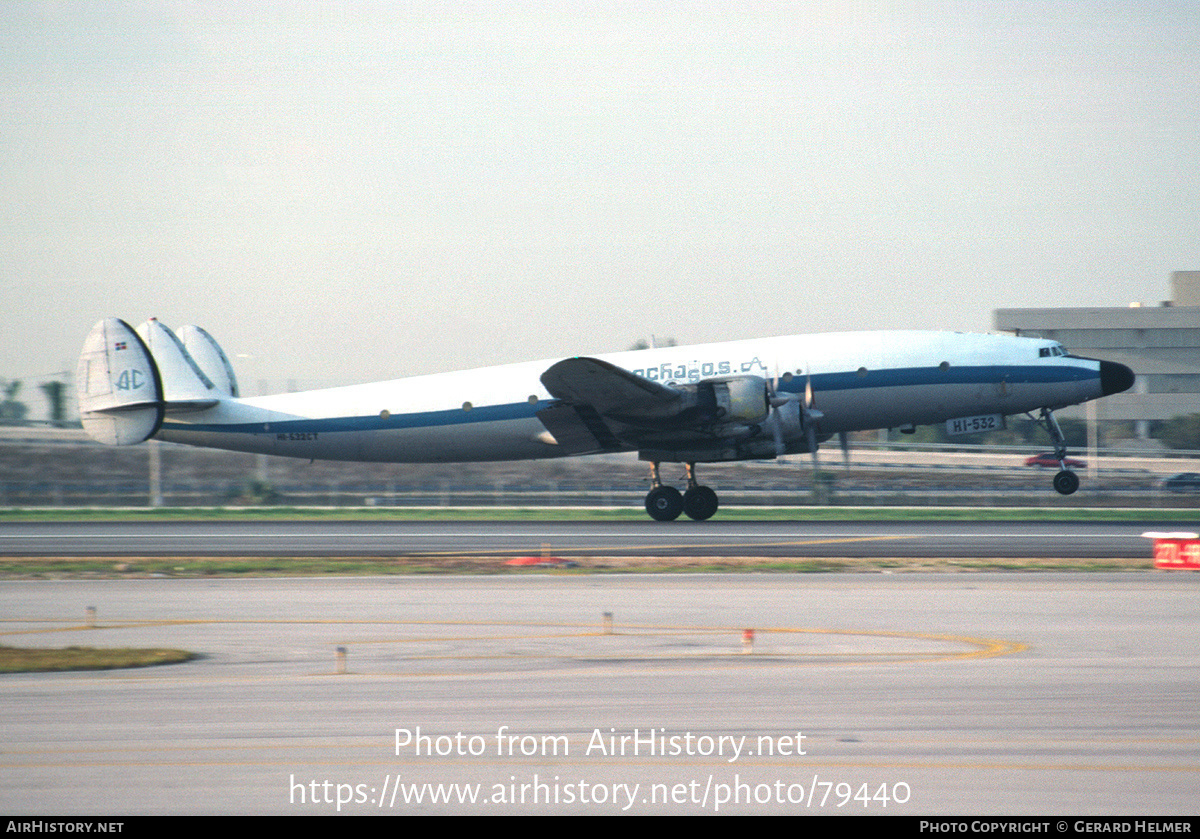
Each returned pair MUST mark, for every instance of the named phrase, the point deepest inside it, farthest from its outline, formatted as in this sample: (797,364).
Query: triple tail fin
(129,379)
(209,356)
(119,386)
(185,386)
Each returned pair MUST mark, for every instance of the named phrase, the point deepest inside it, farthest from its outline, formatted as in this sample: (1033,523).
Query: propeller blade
(811,416)
(776,401)
(773,396)
(775,424)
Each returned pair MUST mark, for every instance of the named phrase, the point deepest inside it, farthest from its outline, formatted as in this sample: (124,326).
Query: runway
(955,694)
(1096,540)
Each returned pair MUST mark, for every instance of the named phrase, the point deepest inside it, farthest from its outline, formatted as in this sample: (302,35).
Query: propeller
(811,417)
(777,402)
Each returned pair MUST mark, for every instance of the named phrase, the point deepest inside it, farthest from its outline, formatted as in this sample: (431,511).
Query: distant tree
(56,395)
(643,344)
(10,409)
(1181,432)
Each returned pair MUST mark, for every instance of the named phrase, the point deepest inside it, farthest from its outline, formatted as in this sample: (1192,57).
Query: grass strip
(40,568)
(45,659)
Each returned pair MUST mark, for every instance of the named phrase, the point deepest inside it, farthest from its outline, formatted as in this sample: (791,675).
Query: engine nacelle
(743,400)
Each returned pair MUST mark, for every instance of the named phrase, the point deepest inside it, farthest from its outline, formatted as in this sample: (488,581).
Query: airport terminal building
(1160,343)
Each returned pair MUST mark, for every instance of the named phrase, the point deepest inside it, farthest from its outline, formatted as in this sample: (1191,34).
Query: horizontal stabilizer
(209,356)
(185,387)
(118,383)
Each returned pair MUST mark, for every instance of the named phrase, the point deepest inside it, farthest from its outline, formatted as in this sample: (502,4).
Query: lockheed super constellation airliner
(742,400)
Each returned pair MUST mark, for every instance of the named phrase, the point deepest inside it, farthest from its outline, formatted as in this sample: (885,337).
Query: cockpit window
(1052,351)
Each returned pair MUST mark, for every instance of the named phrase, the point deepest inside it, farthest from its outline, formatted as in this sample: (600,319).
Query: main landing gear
(665,503)
(1066,481)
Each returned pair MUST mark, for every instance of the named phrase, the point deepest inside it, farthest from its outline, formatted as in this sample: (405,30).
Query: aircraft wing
(600,407)
(606,387)
(597,401)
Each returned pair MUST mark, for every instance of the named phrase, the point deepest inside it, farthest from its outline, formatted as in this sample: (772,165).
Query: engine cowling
(731,418)
(741,400)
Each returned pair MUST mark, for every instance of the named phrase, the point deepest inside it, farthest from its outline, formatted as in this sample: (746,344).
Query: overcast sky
(346,192)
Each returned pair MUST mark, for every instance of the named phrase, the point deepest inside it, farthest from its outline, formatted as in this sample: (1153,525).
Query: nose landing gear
(1066,481)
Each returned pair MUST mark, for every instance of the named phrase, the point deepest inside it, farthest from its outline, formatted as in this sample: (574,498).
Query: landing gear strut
(665,503)
(1066,481)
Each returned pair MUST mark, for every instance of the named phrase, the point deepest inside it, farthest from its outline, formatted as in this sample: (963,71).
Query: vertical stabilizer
(207,353)
(119,387)
(184,385)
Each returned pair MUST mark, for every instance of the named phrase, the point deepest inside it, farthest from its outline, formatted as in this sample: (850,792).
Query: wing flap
(578,429)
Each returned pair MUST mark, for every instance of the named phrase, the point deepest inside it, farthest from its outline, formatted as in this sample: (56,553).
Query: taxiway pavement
(583,539)
(956,694)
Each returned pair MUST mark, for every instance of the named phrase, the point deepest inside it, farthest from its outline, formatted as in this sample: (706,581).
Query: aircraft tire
(700,503)
(1066,482)
(664,503)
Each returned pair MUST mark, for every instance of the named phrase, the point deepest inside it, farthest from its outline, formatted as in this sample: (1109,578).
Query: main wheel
(664,503)
(1066,482)
(700,503)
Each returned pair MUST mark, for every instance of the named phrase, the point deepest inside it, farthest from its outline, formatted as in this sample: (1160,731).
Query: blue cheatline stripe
(900,377)
(330,425)
(822,382)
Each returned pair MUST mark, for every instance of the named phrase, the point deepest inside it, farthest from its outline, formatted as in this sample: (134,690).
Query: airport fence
(61,468)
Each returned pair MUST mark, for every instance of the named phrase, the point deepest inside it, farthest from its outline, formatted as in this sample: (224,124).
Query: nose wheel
(665,503)
(1066,481)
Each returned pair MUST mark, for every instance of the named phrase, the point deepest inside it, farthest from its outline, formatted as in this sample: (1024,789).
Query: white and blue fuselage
(856,380)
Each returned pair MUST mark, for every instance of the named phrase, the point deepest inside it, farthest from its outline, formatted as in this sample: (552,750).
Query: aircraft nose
(1114,377)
